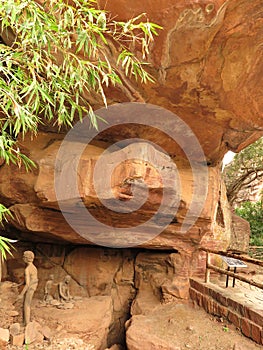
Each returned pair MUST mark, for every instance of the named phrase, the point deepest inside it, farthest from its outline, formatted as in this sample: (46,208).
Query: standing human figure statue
(31,282)
(63,289)
(48,289)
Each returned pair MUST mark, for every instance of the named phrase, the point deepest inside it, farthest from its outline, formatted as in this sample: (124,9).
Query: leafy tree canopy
(244,171)
(253,213)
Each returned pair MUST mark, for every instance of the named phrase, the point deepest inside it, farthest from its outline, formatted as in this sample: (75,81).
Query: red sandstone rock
(109,273)
(49,224)
(17,339)
(141,336)
(33,333)
(14,329)
(207,63)
(160,277)
(4,335)
(208,66)
(241,233)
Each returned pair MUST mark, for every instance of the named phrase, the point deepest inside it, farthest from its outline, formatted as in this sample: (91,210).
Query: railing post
(207,271)
(228,273)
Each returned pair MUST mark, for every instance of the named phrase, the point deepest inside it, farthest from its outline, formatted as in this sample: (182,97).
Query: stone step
(226,303)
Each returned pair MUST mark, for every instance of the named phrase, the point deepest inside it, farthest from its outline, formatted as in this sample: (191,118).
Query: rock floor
(167,326)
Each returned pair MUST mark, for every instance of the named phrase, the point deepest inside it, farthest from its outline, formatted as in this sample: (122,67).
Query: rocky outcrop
(36,208)
(207,62)
(162,277)
(129,280)
(106,272)
(241,234)
(151,180)
(89,319)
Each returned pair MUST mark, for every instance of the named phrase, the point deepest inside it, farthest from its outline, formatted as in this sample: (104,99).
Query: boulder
(108,272)
(241,234)
(161,277)
(33,333)
(17,339)
(46,331)
(4,335)
(141,335)
(14,329)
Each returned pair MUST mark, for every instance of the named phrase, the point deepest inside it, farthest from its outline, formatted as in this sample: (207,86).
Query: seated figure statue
(63,290)
(48,297)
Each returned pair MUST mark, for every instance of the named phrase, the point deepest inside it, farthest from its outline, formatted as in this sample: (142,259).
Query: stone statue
(63,289)
(31,282)
(48,297)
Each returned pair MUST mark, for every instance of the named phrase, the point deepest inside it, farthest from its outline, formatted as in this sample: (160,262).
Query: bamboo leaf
(58,54)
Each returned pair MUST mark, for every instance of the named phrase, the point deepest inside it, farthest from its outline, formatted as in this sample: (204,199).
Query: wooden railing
(256,252)
(209,266)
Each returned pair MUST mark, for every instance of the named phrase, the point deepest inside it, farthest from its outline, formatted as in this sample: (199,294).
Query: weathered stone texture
(207,62)
(241,233)
(39,214)
(208,66)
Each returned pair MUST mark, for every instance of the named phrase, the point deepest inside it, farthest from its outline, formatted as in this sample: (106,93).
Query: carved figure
(31,282)
(48,289)
(63,289)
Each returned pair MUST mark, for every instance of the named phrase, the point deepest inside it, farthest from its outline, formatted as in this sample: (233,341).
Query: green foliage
(4,213)
(5,243)
(253,213)
(5,247)
(241,175)
(246,168)
(55,57)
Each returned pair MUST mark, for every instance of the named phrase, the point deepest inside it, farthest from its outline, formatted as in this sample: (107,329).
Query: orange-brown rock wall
(134,280)
(33,201)
(207,63)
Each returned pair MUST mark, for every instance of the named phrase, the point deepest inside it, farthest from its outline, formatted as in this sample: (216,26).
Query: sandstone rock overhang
(207,63)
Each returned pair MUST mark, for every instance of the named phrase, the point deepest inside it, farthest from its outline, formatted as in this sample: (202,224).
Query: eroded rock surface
(36,211)
(181,326)
(130,280)
(85,326)
(207,62)
(208,65)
